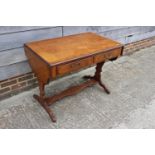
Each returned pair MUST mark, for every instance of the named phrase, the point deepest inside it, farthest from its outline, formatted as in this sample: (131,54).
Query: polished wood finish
(97,77)
(56,57)
(107,55)
(74,66)
(40,67)
(70,91)
(59,50)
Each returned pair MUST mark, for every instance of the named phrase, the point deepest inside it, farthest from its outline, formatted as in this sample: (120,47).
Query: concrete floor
(131,103)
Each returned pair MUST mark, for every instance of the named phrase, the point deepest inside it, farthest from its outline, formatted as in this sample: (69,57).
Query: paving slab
(131,103)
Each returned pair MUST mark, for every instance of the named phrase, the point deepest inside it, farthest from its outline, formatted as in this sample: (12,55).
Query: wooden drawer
(107,55)
(74,66)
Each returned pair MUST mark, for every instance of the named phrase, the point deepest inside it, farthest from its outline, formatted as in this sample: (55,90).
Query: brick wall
(135,46)
(28,81)
(16,85)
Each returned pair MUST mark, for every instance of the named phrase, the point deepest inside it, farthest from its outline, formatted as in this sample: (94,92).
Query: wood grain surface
(59,50)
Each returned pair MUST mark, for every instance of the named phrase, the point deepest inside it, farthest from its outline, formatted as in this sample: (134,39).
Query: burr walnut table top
(68,48)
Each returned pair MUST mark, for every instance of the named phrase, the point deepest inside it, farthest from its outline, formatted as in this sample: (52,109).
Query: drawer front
(74,66)
(107,55)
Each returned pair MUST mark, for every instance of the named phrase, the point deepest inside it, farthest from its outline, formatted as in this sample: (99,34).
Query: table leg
(97,76)
(42,101)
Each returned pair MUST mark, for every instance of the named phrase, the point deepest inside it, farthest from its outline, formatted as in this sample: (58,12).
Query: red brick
(3,81)
(8,83)
(19,85)
(27,77)
(4,90)
(32,81)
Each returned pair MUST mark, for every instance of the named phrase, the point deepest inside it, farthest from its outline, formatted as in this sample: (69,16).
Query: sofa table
(56,57)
